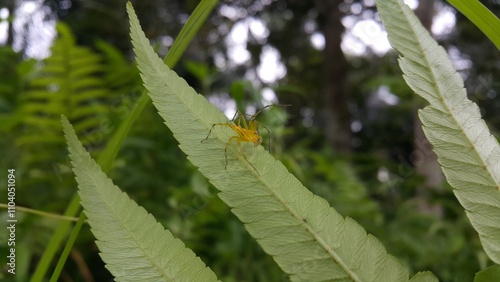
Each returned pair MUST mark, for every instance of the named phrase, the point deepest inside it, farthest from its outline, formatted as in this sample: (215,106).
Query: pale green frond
(133,245)
(107,156)
(307,238)
(469,155)
(423,277)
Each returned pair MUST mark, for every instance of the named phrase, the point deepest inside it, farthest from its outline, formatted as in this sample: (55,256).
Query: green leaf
(307,238)
(469,155)
(189,30)
(67,248)
(489,274)
(133,245)
(424,277)
(68,83)
(55,241)
(108,155)
(483,18)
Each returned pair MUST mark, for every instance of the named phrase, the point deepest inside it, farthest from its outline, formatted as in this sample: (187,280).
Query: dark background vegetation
(367,157)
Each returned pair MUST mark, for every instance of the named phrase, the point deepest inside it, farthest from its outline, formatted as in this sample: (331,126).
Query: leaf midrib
(308,228)
(111,205)
(441,98)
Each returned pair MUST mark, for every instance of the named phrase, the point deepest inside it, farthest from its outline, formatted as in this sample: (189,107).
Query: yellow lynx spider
(247,131)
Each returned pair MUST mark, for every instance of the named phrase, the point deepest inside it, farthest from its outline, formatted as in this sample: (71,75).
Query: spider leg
(268,136)
(212,128)
(242,120)
(268,106)
(209,132)
(259,111)
(227,144)
(245,157)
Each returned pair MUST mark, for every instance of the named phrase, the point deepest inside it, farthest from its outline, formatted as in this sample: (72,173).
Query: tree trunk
(11,7)
(337,116)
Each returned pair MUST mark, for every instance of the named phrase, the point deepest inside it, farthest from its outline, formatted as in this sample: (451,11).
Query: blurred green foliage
(375,186)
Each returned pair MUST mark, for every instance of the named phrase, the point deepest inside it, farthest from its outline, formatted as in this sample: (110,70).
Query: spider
(247,131)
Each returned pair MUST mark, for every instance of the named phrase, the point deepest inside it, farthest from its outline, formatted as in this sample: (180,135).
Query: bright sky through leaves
(361,36)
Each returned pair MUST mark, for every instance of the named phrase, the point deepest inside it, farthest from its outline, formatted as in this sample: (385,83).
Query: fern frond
(120,75)
(307,238)
(469,155)
(68,83)
(133,245)
(423,277)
